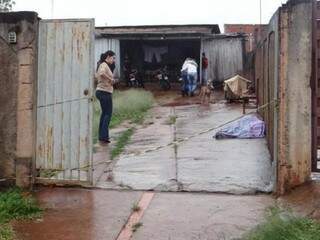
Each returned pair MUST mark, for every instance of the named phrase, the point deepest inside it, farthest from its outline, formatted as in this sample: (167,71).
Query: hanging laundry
(154,52)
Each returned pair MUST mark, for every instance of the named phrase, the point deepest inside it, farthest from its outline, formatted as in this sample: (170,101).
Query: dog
(205,92)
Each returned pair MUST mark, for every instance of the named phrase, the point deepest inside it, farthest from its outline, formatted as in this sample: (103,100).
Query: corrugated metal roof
(159,30)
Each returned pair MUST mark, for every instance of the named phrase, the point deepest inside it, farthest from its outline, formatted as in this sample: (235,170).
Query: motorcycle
(135,79)
(163,79)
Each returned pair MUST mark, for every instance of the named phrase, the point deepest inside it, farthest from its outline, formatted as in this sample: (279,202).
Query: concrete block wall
(295,112)
(291,142)
(8,113)
(18,142)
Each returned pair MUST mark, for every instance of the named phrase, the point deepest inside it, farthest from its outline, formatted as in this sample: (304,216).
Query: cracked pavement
(202,164)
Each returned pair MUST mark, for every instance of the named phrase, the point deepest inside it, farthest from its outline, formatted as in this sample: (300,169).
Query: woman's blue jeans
(189,82)
(105,100)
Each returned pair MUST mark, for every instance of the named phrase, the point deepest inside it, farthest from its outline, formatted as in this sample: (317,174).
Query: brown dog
(205,92)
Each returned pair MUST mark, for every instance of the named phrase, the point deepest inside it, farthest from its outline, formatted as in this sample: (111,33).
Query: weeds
(122,141)
(131,105)
(49,173)
(172,120)
(136,207)
(6,232)
(14,204)
(282,225)
(136,226)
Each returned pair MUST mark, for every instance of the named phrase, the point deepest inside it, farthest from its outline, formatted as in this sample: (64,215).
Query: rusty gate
(316,88)
(64,93)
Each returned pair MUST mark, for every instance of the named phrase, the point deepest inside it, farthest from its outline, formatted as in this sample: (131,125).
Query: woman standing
(104,90)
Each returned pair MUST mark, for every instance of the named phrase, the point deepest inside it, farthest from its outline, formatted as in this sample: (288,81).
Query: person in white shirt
(189,73)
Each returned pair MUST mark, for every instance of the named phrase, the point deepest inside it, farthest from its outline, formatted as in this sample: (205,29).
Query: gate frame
(63,182)
(314,83)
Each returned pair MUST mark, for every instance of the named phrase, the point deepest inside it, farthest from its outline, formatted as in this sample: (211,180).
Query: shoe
(104,142)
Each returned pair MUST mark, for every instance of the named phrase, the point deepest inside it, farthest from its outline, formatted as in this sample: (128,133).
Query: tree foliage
(6,5)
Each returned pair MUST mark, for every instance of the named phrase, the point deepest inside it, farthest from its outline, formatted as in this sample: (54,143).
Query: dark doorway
(148,56)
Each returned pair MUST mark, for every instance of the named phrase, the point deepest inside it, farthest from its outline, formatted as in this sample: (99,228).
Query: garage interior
(149,56)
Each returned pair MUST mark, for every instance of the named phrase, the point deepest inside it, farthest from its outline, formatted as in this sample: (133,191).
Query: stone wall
(18,83)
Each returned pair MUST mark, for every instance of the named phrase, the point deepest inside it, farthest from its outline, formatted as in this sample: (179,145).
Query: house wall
(104,44)
(225,57)
(17,81)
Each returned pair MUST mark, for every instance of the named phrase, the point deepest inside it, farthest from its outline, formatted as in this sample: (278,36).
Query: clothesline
(154,52)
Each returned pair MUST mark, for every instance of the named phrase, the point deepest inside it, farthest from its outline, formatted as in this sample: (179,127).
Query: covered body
(249,126)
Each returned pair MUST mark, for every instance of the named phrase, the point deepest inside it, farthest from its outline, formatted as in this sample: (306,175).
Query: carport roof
(158,30)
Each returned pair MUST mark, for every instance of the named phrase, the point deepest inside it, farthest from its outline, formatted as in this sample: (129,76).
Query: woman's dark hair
(104,56)
(110,53)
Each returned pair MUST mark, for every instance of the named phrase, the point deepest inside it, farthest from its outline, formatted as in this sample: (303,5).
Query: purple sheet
(249,126)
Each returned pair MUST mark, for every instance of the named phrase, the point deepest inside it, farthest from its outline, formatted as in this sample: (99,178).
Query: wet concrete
(156,169)
(206,164)
(79,214)
(200,164)
(185,216)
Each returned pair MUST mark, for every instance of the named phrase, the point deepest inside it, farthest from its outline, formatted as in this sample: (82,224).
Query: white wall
(105,44)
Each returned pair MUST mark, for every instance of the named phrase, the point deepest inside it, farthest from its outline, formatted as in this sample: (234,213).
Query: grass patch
(14,204)
(122,141)
(172,120)
(6,232)
(136,226)
(282,225)
(49,173)
(135,207)
(131,105)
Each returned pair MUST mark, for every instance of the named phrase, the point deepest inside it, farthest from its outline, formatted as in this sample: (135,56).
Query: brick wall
(254,33)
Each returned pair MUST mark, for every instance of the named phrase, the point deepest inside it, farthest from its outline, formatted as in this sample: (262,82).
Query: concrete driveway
(201,164)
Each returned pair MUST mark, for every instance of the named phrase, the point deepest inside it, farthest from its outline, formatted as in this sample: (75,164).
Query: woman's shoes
(104,142)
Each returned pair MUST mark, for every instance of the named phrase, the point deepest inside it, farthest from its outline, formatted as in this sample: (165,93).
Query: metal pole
(260,12)
(52,8)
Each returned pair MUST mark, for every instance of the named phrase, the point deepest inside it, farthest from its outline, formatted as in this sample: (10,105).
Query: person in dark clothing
(205,64)
(104,90)
(127,70)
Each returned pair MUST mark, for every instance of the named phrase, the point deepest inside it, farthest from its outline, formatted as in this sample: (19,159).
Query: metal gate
(316,88)
(64,94)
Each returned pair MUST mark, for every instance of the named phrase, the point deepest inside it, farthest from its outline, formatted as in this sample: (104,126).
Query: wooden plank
(66,108)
